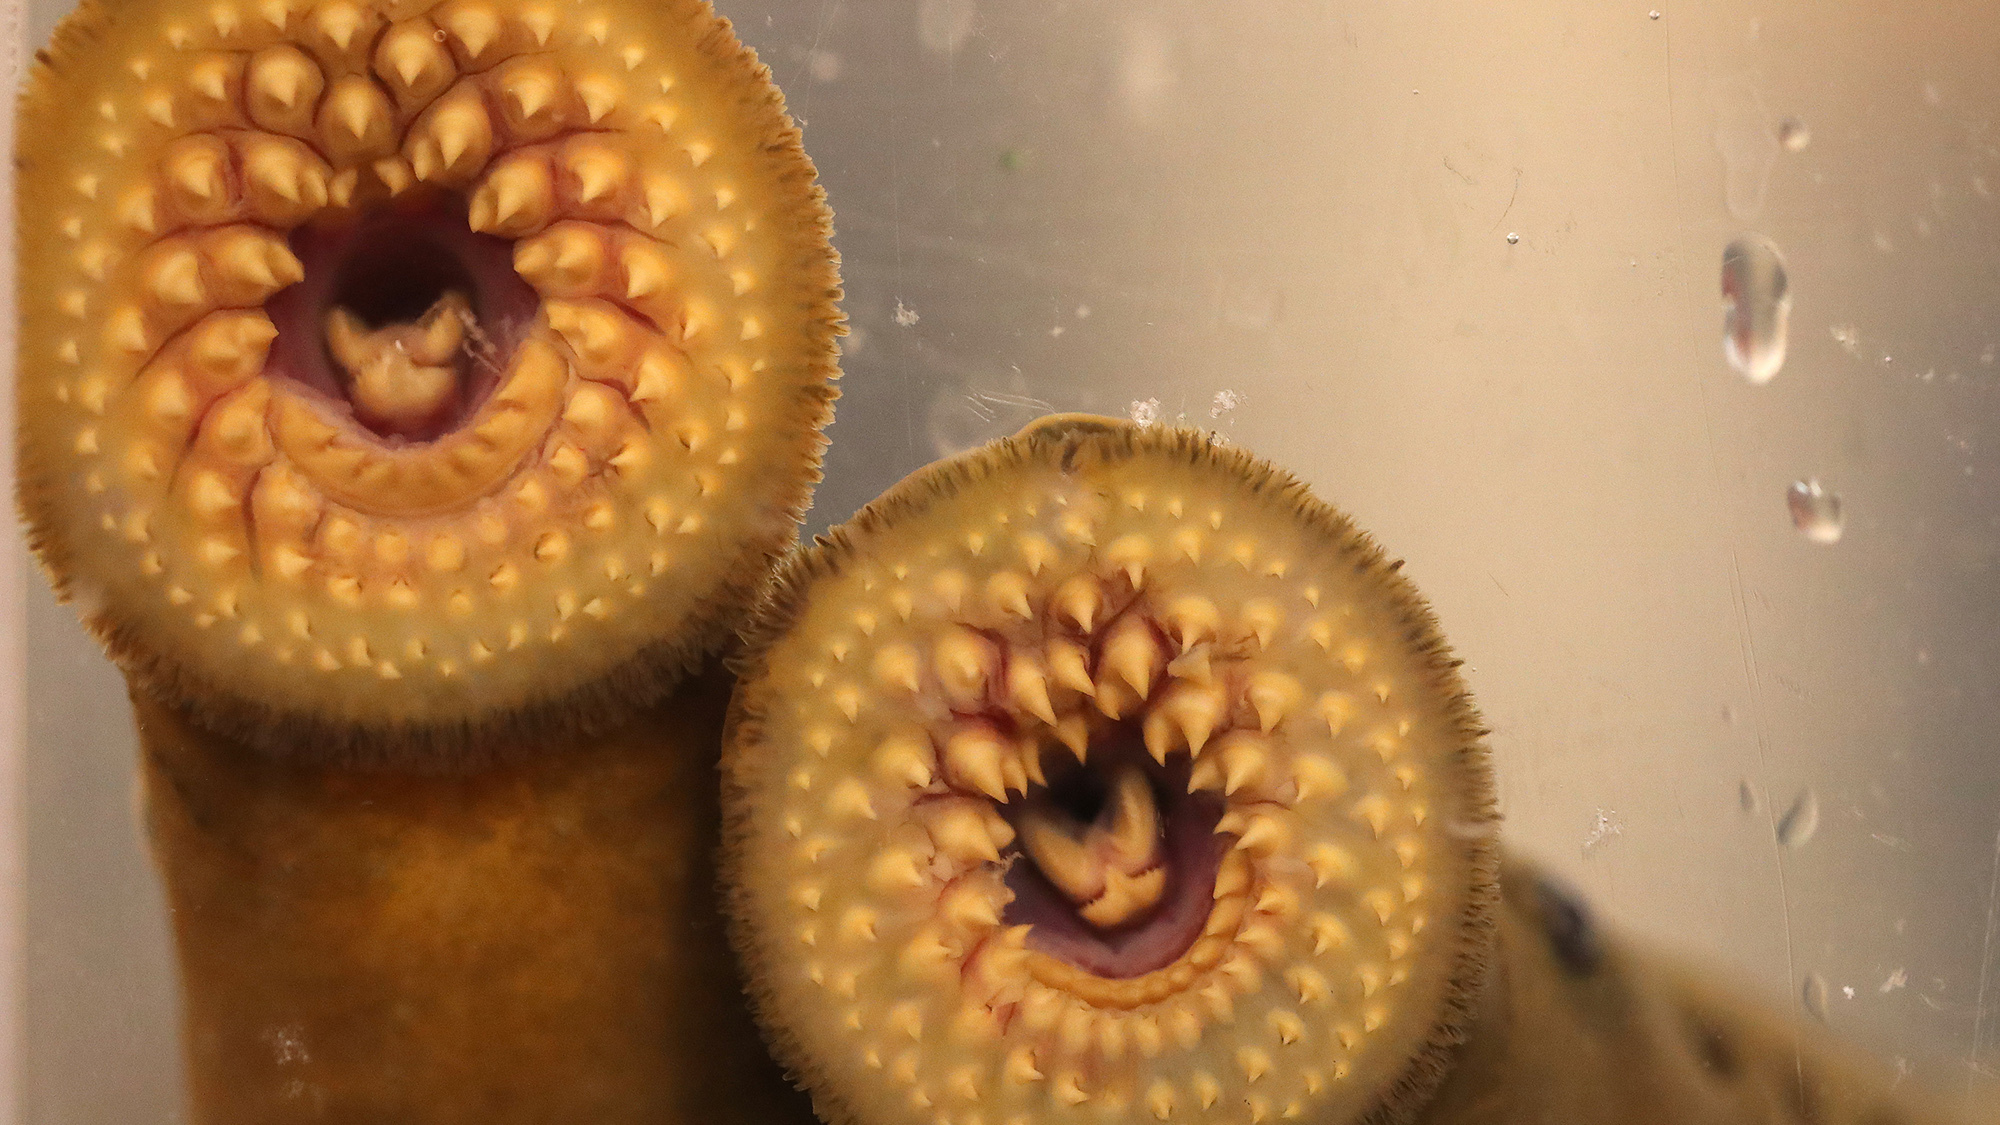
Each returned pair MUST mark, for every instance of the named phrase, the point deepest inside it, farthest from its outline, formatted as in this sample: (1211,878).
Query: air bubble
(1513,237)
(1793,134)
(1800,821)
(1815,511)
(1757,308)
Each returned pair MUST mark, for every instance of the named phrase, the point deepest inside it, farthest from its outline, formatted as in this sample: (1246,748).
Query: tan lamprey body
(1105,775)
(397,373)
(535,943)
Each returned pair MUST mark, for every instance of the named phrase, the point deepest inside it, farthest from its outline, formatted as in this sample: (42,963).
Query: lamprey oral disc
(1105,774)
(397,374)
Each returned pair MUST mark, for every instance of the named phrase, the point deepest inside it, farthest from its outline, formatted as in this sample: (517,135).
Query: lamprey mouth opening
(1117,858)
(1104,771)
(400,378)
(404,313)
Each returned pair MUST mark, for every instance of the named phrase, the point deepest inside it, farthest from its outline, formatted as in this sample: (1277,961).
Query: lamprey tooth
(413,63)
(283,85)
(516,198)
(1152,732)
(355,122)
(488,301)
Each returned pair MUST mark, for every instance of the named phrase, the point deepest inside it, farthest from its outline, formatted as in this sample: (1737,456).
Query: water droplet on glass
(1815,511)
(1800,821)
(1757,308)
(1654,14)
(1793,134)
(1513,237)
(1812,994)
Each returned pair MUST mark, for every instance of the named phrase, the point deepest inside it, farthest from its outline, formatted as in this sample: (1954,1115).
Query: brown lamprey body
(536,943)
(1580,1027)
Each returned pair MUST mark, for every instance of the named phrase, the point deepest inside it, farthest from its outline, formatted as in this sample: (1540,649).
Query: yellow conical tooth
(340,21)
(355,119)
(970,905)
(1262,617)
(1206,774)
(1133,654)
(231,347)
(1073,731)
(967,830)
(898,665)
(475,26)
(646,270)
(1262,834)
(461,132)
(1069,664)
(1160,1100)
(1020,1066)
(1195,709)
(1060,856)
(1246,758)
(1273,695)
(973,757)
(1232,877)
(1069,1089)
(1255,1061)
(895,869)
(174,278)
(1316,775)
(1079,601)
(196,177)
(598,172)
(950,585)
(964,662)
(517,197)
(1008,590)
(1134,832)
(282,86)
(254,262)
(599,94)
(850,799)
(905,757)
(1191,620)
(1130,554)
(1331,863)
(563,261)
(413,63)
(1310,984)
(527,88)
(1028,687)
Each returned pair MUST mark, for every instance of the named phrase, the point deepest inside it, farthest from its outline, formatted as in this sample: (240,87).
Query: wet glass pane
(1659,342)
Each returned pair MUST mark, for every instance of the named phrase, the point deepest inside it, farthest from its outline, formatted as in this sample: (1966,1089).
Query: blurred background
(1658,335)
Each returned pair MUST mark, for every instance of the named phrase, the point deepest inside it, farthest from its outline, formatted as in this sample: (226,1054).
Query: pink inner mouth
(389,265)
(1191,852)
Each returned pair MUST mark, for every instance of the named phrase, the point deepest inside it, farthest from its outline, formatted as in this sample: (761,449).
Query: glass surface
(1466,268)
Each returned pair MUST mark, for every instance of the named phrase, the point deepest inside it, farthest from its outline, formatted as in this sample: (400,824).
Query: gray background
(1301,208)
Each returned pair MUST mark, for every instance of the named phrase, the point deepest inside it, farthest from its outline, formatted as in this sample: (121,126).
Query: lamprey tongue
(1105,775)
(405,378)
(398,374)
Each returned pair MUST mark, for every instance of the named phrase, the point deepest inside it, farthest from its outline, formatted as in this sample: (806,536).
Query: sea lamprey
(1106,775)
(412,396)
(395,373)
